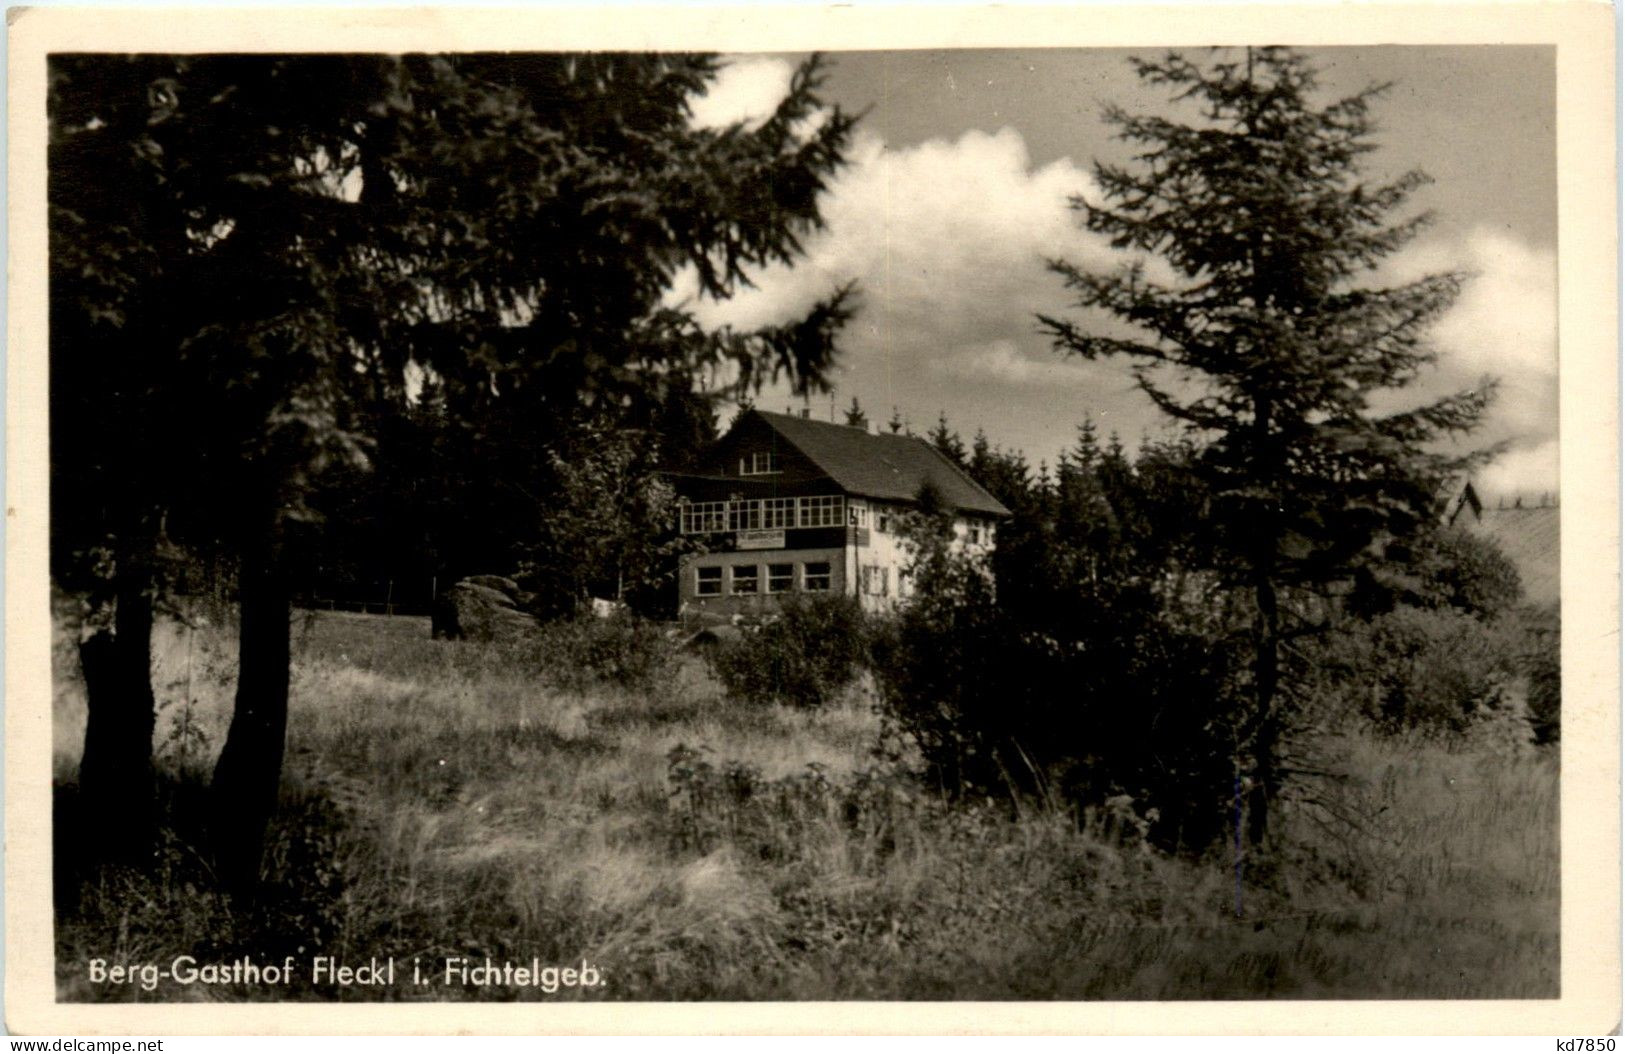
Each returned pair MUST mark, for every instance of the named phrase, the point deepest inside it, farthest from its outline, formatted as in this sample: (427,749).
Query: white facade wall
(872,565)
(888,556)
(728,602)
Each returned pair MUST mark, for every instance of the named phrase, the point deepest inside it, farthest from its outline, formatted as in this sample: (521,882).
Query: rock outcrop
(482,608)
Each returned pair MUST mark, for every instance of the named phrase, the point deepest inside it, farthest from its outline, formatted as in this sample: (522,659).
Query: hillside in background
(1529,536)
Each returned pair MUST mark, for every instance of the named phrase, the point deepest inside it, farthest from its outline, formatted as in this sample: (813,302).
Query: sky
(956,193)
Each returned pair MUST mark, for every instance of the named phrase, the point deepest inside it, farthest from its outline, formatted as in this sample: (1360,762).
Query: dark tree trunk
(1266,680)
(1270,467)
(115,804)
(249,772)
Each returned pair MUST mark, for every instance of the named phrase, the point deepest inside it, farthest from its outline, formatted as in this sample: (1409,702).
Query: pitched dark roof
(1463,501)
(886,466)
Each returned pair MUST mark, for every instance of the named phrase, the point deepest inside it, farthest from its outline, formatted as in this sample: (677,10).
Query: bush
(1437,672)
(623,650)
(805,657)
(1471,574)
(1542,662)
(1127,708)
(1450,568)
(946,676)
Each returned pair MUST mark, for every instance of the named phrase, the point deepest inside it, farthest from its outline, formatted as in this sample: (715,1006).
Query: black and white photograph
(944,523)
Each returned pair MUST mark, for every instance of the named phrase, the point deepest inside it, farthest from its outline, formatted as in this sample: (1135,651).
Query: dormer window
(761,463)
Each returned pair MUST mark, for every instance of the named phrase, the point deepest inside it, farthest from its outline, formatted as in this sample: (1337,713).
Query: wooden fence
(385,600)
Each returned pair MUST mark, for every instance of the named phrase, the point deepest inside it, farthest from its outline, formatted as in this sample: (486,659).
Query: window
(975,535)
(745,580)
(882,522)
(876,579)
(708,581)
(702,516)
(815,577)
(820,512)
(905,588)
(760,463)
(781,578)
(857,515)
(778,513)
(706,517)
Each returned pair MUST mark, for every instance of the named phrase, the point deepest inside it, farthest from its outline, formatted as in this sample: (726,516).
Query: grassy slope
(1531,538)
(449,799)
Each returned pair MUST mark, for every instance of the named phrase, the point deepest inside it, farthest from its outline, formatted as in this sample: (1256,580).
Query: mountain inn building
(787,505)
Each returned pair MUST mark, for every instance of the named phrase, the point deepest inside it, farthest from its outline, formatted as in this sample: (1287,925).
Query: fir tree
(246,253)
(855,417)
(946,440)
(1264,345)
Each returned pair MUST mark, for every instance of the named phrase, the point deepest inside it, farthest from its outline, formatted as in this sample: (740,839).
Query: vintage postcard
(917,520)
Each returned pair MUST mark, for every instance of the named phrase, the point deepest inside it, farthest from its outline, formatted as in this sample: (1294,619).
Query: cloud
(1002,363)
(932,228)
(1503,326)
(1528,472)
(1506,318)
(948,240)
(747,89)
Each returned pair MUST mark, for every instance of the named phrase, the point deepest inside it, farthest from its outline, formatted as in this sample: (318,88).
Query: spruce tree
(947,441)
(855,417)
(247,252)
(1264,344)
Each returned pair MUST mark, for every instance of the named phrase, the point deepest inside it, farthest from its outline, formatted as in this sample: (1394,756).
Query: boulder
(483,608)
(506,586)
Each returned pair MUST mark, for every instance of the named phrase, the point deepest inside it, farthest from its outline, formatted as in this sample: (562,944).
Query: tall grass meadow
(597,796)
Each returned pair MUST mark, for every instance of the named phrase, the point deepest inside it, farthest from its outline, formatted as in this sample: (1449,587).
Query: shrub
(1437,672)
(1450,568)
(1546,694)
(805,657)
(623,650)
(946,680)
(1542,662)
(1122,708)
(1471,574)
